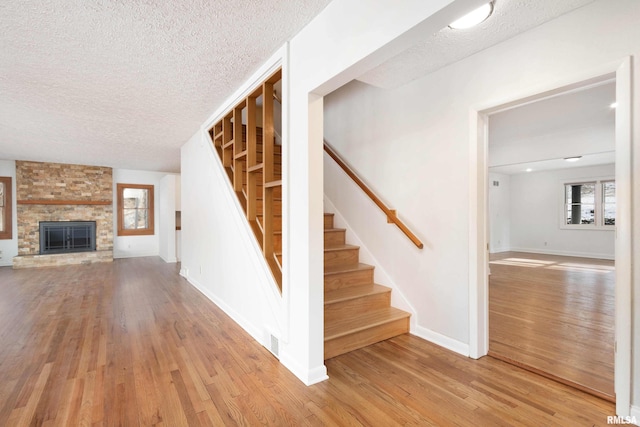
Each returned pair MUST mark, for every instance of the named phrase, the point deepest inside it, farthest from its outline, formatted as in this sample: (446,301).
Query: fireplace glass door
(64,236)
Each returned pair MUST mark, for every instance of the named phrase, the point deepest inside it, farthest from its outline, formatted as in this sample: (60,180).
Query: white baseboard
(255,333)
(307,376)
(169,260)
(499,249)
(564,253)
(635,413)
(134,254)
(441,340)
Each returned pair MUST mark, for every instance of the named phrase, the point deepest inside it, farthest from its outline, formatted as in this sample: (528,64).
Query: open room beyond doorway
(552,200)
(554,315)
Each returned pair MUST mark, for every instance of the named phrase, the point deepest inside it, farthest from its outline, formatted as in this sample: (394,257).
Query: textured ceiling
(509,18)
(585,111)
(580,109)
(125,83)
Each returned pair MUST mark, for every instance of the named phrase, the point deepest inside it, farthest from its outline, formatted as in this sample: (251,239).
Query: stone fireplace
(58,237)
(54,192)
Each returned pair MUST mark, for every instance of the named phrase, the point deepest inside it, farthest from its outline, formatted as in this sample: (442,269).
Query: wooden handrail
(392,217)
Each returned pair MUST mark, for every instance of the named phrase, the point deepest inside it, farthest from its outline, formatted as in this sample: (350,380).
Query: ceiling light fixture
(573,159)
(613,105)
(528,170)
(473,18)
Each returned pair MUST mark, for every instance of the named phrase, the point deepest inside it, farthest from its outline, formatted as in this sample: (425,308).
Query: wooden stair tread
(345,294)
(329,230)
(340,248)
(347,268)
(360,322)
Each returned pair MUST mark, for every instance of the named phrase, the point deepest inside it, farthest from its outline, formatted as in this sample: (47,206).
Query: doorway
(552,237)
(479,233)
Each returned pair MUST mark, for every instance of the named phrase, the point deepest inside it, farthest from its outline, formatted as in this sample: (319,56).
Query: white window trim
(598,208)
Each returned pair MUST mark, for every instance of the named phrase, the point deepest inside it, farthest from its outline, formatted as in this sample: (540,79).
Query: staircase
(357,312)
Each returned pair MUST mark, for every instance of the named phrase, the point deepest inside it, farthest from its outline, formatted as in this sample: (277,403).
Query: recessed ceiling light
(613,105)
(573,159)
(528,170)
(473,18)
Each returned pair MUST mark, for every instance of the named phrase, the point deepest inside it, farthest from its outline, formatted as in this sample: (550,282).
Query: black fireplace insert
(58,237)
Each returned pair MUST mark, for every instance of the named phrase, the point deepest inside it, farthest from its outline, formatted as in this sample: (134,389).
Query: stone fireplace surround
(62,192)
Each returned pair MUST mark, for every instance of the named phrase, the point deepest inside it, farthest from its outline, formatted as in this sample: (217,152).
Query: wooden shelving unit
(244,139)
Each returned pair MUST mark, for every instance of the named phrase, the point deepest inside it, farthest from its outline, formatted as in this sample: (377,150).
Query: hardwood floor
(555,315)
(132,343)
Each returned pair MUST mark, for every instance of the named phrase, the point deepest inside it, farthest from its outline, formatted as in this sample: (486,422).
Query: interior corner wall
(9,247)
(536,212)
(500,222)
(635,250)
(333,49)
(220,256)
(137,246)
(167,210)
(412,145)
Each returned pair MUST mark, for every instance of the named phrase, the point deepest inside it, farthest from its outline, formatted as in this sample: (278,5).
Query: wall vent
(274,345)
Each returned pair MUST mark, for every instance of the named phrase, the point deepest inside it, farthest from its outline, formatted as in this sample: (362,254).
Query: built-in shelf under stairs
(357,311)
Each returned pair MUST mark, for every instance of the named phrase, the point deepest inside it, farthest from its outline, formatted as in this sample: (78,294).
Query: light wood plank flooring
(555,315)
(132,343)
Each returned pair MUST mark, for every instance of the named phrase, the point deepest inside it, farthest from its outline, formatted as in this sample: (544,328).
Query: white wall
(137,246)
(500,222)
(167,210)
(635,212)
(345,40)
(220,255)
(178,208)
(327,53)
(536,206)
(412,145)
(178,193)
(9,248)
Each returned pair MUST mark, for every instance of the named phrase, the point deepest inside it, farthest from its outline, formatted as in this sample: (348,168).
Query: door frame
(478,214)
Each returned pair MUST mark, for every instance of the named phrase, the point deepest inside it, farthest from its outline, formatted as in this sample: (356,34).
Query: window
(609,202)
(580,202)
(590,203)
(6,226)
(135,210)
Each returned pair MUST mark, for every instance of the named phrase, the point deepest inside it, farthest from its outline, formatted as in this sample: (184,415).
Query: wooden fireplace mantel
(64,202)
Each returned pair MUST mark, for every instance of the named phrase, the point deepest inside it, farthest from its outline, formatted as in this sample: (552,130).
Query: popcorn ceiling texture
(61,182)
(510,17)
(125,83)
